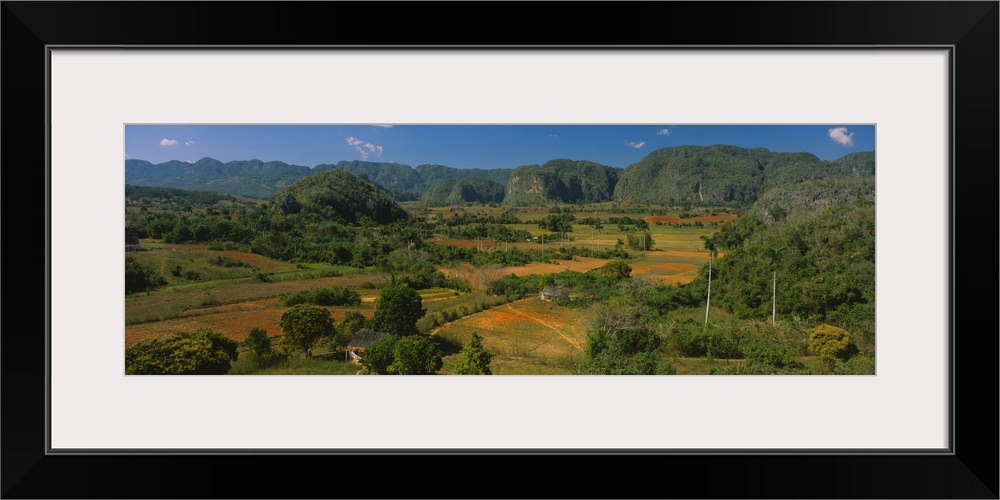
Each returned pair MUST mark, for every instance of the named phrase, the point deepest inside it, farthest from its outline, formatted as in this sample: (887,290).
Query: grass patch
(313,366)
(528,336)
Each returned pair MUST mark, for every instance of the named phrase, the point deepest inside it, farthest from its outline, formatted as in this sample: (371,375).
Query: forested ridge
(699,175)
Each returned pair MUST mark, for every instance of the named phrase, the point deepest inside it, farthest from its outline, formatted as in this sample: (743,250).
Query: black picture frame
(970,471)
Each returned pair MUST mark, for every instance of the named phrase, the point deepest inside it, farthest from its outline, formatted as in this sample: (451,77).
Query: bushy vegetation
(621,343)
(397,310)
(198,352)
(831,343)
(303,326)
(616,269)
(817,242)
(258,341)
(394,355)
(475,360)
(139,278)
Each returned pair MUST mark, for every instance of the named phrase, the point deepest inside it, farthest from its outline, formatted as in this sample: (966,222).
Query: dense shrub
(831,343)
(199,352)
(138,278)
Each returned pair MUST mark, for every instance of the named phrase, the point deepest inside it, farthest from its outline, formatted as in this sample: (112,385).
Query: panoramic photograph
(402,249)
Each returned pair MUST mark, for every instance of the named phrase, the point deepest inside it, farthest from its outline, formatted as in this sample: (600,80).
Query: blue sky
(475,146)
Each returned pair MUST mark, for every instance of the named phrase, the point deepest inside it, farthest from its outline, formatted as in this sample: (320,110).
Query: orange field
(580,264)
(680,253)
(671,267)
(528,336)
(233,320)
(701,218)
(495,317)
(181,247)
(668,272)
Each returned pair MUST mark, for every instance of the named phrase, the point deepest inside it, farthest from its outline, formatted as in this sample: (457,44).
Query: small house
(555,293)
(361,340)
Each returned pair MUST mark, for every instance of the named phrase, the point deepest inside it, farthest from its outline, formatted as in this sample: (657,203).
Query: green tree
(379,355)
(258,342)
(617,269)
(139,278)
(619,343)
(831,343)
(475,361)
(415,355)
(351,323)
(397,310)
(303,325)
(199,352)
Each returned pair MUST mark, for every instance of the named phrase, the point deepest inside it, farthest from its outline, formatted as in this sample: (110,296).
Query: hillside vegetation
(701,175)
(252,178)
(561,181)
(816,240)
(338,196)
(721,174)
(462,191)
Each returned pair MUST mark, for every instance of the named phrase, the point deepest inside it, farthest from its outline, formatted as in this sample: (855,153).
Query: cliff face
(561,181)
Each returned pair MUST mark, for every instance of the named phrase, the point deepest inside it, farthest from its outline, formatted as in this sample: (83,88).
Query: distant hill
(398,179)
(406,183)
(561,181)
(461,191)
(338,195)
(708,174)
(184,196)
(722,173)
(260,180)
(252,178)
(434,173)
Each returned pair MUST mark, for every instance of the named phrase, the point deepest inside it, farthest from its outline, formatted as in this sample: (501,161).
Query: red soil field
(183,247)
(233,320)
(701,218)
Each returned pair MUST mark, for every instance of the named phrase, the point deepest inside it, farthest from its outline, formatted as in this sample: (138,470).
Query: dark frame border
(970,27)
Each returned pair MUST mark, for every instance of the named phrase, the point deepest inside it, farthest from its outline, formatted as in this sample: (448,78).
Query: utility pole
(708,300)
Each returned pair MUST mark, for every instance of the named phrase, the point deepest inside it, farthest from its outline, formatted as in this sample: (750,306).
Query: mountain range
(709,174)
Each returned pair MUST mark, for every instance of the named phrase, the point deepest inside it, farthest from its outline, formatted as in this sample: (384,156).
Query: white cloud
(189,143)
(385,125)
(841,136)
(553,136)
(126,156)
(663,132)
(168,142)
(363,148)
(189,161)
(636,145)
